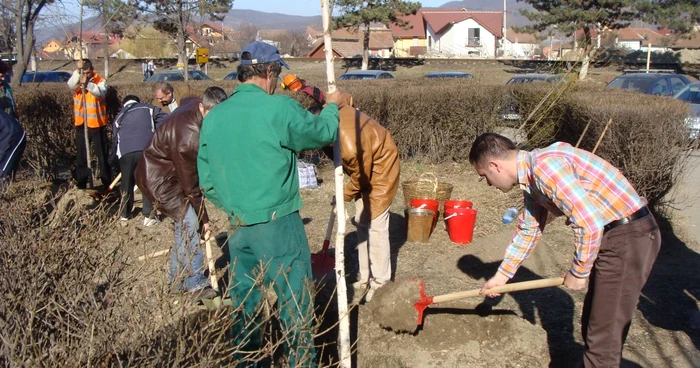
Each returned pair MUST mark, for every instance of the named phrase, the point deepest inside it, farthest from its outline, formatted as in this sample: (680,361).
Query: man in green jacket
(247,167)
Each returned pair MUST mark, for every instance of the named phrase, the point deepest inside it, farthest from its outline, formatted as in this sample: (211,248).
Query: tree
(7,29)
(570,16)
(25,14)
(175,16)
(678,15)
(248,33)
(362,13)
(116,16)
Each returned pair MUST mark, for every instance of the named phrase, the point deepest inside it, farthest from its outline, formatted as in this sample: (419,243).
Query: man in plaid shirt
(616,237)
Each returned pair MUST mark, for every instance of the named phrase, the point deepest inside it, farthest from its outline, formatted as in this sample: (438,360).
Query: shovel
(399,296)
(322,262)
(425,300)
(98,195)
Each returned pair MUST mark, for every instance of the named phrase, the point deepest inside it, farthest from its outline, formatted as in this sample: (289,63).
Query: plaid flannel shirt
(568,181)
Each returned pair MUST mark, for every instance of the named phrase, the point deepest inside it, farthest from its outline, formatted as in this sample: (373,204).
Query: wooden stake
(600,139)
(344,352)
(582,134)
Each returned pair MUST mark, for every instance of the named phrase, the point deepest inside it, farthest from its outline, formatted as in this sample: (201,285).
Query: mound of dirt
(393,306)
(459,337)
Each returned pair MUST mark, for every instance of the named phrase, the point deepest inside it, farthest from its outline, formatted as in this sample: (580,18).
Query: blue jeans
(186,261)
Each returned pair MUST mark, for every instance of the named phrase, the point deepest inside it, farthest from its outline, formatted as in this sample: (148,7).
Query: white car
(691,94)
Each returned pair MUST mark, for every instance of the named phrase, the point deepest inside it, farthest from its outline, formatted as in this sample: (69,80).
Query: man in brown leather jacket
(167,175)
(371,159)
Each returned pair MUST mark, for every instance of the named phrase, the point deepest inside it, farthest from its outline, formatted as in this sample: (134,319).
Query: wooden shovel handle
(114,182)
(507,288)
(211,264)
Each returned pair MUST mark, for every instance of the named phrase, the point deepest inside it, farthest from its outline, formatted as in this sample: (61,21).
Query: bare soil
(523,329)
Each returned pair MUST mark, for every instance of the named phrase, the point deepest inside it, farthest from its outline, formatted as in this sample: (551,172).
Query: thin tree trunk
(344,343)
(587,50)
(105,41)
(365,48)
(182,42)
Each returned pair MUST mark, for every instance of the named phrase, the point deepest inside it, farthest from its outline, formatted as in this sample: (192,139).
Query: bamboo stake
(344,353)
(600,139)
(583,134)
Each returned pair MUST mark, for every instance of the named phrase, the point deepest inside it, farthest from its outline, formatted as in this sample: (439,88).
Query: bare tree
(25,14)
(175,17)
(116,16)
(248,33)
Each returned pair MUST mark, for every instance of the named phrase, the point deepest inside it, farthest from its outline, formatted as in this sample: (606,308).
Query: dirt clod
(393,306)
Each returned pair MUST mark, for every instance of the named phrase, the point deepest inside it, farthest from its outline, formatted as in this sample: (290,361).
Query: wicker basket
(426,188)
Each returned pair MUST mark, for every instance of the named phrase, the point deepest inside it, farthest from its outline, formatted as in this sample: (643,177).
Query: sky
(301,7)
(67,10)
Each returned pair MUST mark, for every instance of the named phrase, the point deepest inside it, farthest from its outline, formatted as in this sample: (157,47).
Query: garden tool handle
(507,288)
(210,262)
(329,231)
(114,182)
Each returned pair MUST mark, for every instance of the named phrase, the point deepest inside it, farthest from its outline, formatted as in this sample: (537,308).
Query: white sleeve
(74,79)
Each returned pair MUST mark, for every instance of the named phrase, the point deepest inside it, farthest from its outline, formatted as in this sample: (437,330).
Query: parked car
(366,74)
(661,84)
(509,110)
(231,76)
(449,75)
(691,94)
(176,75)
(51,76)
(533,78)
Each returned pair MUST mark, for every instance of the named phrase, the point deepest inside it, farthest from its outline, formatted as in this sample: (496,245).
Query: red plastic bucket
(460,224)
(428,204)
(456,203)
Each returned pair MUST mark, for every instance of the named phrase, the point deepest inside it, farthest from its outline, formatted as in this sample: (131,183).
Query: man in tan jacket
(371,160)
(168,98)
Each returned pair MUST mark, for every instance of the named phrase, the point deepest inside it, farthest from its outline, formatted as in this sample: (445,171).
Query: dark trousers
(9,165)
(127,164)
(627,254)
(98,136)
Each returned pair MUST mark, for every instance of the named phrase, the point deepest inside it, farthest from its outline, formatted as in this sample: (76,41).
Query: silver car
(691,94)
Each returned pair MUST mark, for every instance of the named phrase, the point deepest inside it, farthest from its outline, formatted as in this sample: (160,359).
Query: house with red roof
(410,37)
(520,45)
(451,32)
(348,43)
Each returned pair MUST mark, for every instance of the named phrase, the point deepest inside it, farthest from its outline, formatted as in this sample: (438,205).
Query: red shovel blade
(423,303)
(322,263)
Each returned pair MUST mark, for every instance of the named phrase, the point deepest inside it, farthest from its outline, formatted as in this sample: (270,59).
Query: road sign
(202,55)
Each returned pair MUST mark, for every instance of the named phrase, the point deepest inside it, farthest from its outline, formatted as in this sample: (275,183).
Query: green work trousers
(275,253)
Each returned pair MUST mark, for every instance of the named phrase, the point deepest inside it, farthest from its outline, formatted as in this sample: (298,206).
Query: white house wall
(454,40)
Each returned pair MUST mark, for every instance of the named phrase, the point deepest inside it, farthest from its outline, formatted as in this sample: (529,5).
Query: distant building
(349,43)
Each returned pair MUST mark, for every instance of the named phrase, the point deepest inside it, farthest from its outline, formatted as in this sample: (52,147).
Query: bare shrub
(75,295)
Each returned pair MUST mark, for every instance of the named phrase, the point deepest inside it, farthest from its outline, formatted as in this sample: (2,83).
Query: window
(660,88)
(430,42)
(474,37)
(677,84)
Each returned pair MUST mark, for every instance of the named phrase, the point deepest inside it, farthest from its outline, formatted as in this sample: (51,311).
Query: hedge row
(438,120)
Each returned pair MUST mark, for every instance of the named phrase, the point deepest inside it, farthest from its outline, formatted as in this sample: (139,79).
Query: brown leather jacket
(370,158)
(167,172)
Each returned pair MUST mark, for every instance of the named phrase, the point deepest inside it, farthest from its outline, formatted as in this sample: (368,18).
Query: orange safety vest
(96,107)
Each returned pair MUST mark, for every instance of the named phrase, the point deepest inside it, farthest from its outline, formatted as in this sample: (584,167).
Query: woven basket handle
(434,180)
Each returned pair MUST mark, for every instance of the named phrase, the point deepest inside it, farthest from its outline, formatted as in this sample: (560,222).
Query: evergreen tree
(678,15)
(362,13)
(572,15)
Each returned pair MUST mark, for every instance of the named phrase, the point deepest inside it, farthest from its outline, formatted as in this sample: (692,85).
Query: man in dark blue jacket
(133,128)
(12,142)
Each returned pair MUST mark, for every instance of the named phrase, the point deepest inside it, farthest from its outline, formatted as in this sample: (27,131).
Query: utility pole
(505,29)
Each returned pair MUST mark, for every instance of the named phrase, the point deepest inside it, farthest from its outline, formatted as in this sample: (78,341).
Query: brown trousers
(627,254)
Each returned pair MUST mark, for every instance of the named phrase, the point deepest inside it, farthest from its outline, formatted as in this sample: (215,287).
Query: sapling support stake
(344,353)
